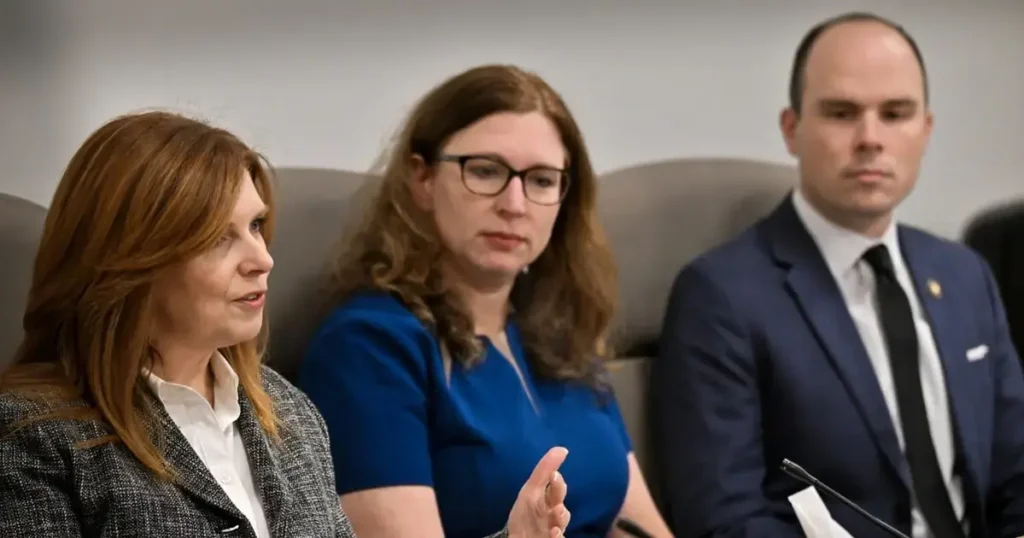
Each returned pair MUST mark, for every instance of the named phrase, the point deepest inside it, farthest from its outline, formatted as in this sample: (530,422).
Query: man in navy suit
(872,354)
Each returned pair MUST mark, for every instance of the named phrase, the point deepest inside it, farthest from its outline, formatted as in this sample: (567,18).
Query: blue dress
(376,374)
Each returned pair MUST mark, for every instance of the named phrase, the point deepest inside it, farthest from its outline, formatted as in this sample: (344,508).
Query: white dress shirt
(842,250)
(213,434)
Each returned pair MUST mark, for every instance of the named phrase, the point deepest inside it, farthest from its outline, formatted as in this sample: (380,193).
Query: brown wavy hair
(563,305)
(144,193)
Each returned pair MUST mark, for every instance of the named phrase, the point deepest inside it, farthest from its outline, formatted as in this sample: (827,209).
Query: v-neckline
(512,358)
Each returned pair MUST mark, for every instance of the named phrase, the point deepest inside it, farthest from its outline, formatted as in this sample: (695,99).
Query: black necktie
(897,322)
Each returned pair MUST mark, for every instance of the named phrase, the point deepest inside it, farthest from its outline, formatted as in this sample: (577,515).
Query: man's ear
(929,123)
(421,182)
(789,119)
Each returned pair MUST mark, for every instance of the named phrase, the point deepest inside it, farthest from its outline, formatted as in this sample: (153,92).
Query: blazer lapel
(267,471)
(945,315)
(191,474)
(824,308)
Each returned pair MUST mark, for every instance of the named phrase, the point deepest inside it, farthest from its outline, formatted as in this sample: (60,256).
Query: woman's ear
(421,182)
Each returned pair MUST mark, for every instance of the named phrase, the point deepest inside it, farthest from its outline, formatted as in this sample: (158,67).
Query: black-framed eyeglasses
(489,176)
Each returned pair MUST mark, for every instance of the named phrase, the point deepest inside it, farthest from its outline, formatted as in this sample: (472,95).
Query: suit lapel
(266,470)
(945,316)
(823,306)
(191,474)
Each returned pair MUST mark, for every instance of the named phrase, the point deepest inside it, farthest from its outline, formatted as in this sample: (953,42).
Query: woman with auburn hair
(467,337)
(138,405)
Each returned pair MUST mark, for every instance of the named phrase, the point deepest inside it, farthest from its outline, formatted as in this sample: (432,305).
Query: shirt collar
(842,248)
(225,389)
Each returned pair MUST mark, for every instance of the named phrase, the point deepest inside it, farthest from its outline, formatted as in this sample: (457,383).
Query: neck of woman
(184,366)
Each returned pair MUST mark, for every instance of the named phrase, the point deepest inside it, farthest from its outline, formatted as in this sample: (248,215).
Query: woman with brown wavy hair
(468,334)
(138,405)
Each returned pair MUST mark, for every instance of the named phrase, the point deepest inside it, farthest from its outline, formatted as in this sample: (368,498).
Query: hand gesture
(539,511)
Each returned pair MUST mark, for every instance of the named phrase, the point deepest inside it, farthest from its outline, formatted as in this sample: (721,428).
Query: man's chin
(875,208)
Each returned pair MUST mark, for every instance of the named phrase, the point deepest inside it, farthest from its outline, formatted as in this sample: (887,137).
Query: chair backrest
(313,208)
(658,217)
(997,234)
(21,226)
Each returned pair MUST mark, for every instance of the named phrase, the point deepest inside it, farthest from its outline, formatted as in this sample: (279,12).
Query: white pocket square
(977,353)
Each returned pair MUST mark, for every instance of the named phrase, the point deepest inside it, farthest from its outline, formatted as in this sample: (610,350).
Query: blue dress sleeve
(366,373)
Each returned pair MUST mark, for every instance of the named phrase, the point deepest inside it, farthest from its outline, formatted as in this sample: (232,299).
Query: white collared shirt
(213,434)
(842,250)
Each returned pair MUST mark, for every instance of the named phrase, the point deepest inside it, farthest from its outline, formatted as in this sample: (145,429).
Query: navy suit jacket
(761,361)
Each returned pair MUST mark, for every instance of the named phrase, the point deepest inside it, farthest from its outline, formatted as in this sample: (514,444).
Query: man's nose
(868,133)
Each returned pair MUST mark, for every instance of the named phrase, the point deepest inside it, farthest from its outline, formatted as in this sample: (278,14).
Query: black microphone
(631,528)
(802,475)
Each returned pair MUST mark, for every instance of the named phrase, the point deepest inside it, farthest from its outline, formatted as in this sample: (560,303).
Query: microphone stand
(802,475)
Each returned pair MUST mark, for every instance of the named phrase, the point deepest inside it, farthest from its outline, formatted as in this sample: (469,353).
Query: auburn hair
(563,305)
(144,193)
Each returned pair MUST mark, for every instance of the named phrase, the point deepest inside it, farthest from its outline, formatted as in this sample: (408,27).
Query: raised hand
(539,511)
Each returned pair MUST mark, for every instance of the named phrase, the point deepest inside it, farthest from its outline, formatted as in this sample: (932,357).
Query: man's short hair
(798,78)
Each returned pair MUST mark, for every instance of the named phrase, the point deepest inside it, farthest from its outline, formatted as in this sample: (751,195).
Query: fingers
(545,469)
(556,490)
(560,517)
(544,492)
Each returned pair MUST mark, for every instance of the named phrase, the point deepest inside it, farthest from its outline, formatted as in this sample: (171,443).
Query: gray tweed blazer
(49,488)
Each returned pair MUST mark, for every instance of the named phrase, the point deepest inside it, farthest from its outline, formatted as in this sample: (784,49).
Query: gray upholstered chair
(21,225)
(659,217)
(314,206)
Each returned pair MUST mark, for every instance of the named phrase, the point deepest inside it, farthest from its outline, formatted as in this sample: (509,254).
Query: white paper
(814,517)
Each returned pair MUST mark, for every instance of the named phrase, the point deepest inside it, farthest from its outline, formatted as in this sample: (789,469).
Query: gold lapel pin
(935,288)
